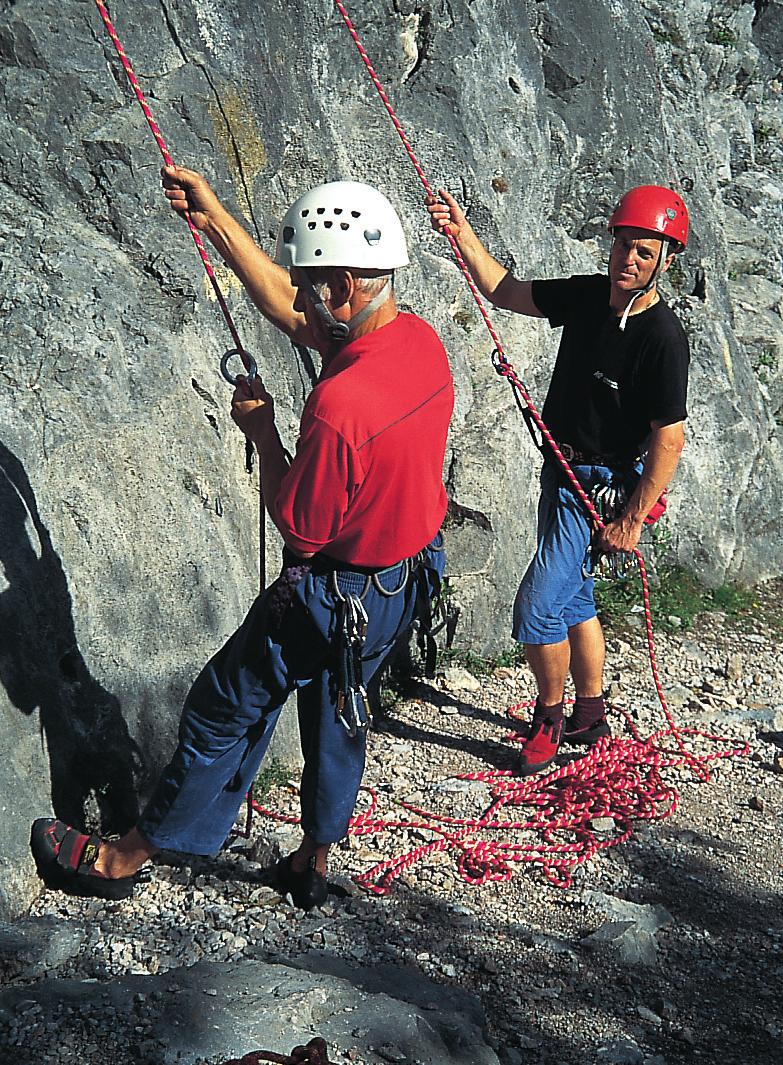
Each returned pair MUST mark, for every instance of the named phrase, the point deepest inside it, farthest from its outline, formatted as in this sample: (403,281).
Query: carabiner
(500,362)
(252,372)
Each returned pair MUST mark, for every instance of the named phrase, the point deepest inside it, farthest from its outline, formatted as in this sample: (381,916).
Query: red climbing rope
(170,162)
(617,780)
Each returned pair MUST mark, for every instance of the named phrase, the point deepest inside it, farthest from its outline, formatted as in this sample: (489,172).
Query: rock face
(129,531)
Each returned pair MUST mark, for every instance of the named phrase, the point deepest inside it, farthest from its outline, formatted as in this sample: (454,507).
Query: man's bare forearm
(663,455)
(495,282)
(662,458)
(268,285)
(485,270)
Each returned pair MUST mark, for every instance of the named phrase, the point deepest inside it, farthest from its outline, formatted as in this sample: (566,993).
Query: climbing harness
(353,706)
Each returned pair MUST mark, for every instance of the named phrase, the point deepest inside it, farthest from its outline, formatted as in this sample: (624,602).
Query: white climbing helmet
(342,223)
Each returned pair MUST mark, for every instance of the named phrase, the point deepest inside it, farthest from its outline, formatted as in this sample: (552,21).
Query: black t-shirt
(607,385)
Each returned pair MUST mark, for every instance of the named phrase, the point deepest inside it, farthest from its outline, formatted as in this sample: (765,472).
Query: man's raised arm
(494,281)
(268,285)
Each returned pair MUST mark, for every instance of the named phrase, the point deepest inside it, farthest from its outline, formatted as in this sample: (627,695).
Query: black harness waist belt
(573,455)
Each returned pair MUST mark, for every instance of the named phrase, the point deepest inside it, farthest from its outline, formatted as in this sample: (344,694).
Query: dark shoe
(307,889)
(541,745)
(65,859)
(586,735)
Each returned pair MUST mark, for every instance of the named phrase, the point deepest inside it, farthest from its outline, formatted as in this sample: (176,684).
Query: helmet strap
(649,286)
(377,301)
(341,331)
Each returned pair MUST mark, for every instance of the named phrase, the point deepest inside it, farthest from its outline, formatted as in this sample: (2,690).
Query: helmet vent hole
(311,225)
(305,212)
(320,210)
(338,210)
(344,225)
(355,214)
(372,236)
(327,225)
(317,252)
(288,234)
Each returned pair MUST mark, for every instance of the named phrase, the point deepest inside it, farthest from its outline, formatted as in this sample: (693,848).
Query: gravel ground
(665,948)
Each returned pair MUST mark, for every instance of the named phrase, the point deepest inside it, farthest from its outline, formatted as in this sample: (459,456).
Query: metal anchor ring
(252,371)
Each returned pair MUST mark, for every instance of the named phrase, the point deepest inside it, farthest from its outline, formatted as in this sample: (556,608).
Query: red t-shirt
(366,484)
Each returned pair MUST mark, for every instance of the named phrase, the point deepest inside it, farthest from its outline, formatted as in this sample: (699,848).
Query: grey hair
(370,282)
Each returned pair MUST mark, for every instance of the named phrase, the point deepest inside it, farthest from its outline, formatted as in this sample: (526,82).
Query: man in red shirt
(359,509)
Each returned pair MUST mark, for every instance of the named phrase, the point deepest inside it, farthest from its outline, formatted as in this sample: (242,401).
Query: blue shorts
(556,592)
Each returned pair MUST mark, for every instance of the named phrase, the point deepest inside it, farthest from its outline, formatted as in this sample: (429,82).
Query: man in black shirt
(616,407)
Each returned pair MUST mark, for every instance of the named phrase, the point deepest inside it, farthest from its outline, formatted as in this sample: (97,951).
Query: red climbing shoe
(65,859)
(542,742)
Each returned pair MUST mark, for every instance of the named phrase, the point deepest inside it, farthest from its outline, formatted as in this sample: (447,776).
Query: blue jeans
(556,591)
(288,642)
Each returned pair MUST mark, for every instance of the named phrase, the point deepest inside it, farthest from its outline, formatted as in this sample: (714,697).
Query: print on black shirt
(607,385)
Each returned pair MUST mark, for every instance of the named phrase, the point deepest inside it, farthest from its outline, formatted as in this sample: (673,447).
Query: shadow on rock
(42,669)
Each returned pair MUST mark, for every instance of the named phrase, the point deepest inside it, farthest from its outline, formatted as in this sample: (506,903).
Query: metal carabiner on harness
(609,502)
(252,371)
(352,707)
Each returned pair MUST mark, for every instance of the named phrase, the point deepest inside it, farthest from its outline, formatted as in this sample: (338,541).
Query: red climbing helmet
(656,208)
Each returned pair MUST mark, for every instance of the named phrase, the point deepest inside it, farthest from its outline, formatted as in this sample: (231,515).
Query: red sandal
(65,859)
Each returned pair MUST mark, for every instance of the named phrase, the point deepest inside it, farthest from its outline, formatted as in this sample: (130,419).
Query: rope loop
(501,363)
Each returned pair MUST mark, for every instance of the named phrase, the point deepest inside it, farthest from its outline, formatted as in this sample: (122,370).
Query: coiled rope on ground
(618,778)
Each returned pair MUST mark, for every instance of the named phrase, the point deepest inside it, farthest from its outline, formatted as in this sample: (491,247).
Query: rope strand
(167,159)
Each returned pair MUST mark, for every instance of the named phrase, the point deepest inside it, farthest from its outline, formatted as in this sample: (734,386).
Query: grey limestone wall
(129,530)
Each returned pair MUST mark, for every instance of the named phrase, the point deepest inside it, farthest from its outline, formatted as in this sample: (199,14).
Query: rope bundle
(619,778)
